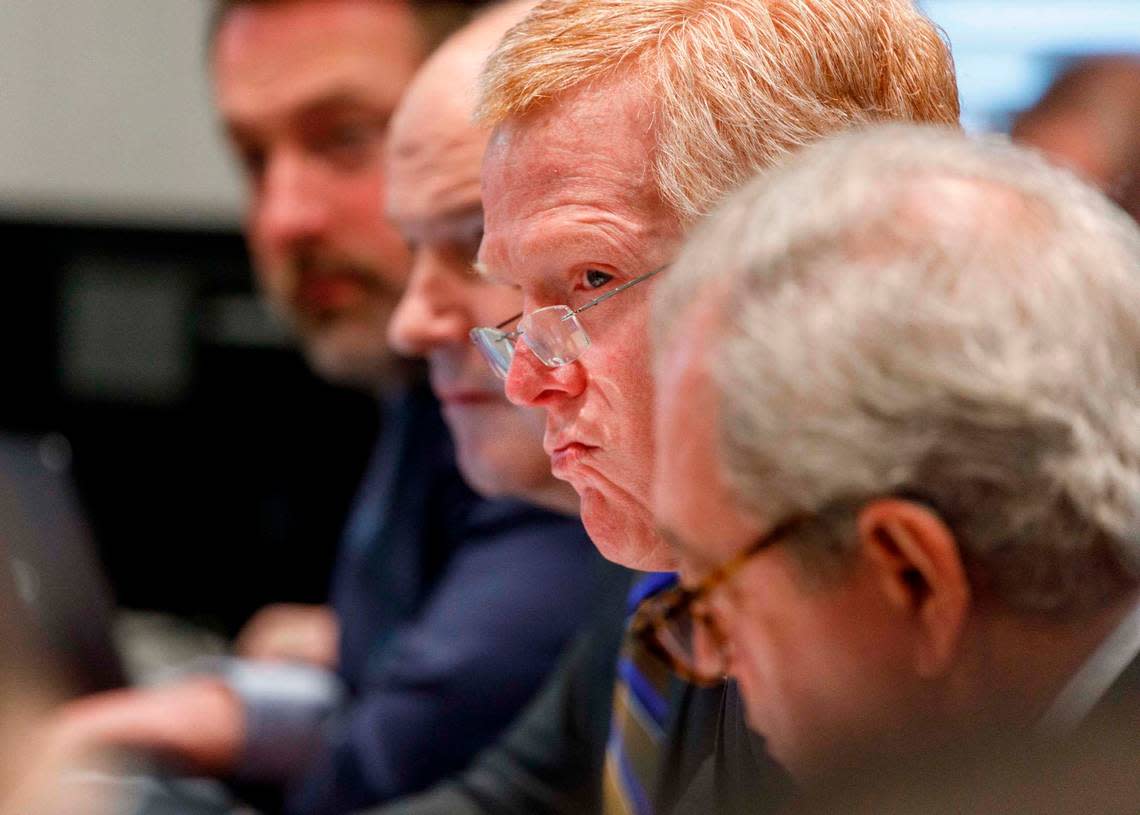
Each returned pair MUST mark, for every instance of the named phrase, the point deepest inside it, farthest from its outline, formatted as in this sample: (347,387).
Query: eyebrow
(334,100)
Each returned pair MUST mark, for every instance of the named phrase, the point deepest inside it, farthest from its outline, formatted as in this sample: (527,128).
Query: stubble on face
(305,90)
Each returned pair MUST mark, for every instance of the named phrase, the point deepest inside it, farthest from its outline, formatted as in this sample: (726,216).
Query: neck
(1019,663)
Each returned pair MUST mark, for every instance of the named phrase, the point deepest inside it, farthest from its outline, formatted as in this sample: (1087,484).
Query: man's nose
(532,383)
(293,203)
(431,312)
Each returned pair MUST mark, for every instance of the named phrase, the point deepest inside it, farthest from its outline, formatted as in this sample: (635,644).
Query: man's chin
(622,534)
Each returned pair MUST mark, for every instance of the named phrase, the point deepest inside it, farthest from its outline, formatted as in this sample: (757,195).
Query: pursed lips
(561,443)
(567,454)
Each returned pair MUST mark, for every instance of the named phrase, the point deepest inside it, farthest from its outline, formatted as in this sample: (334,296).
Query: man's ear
(915,559)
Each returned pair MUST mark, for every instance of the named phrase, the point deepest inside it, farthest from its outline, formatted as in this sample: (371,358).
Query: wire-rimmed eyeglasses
(554,334)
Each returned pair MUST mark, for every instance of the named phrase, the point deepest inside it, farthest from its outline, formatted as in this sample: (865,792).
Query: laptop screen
(47,549)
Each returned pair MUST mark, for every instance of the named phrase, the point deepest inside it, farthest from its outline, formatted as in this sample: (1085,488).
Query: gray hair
(905,311)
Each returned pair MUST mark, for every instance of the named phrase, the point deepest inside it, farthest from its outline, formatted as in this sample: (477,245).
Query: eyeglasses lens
(555,335)
(687,639)
(495,348)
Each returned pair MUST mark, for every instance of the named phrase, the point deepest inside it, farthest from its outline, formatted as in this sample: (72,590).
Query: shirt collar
(1095,677)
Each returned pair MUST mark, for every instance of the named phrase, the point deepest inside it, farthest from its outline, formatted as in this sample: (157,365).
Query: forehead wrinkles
(583,161)
(587,233)
(599,219)
(579,161)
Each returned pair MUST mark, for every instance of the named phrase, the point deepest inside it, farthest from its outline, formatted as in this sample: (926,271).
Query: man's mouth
(568,454)
(328,291)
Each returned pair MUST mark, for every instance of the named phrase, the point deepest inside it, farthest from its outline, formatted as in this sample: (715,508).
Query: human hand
(291,632)
(197,723)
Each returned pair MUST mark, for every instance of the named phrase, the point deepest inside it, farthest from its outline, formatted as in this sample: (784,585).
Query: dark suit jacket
(1093,770)
(1120,703)
(550,761)
(453,609)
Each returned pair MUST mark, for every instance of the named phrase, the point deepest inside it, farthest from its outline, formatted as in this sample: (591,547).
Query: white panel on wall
(105,114)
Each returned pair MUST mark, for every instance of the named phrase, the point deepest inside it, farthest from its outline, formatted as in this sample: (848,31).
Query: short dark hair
(437,19)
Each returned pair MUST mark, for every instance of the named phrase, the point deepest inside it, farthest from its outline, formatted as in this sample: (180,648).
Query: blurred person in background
(37,771)
(899,421)
(448,609)
(616,126)
(435,152)
(29,773)
(1087,121)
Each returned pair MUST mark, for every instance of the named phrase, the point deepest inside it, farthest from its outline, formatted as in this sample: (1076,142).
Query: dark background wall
(216,470)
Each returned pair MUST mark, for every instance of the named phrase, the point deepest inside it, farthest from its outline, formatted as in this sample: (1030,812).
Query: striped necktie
(637,724)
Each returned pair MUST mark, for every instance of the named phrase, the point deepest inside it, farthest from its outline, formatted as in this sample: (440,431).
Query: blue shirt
(453,609)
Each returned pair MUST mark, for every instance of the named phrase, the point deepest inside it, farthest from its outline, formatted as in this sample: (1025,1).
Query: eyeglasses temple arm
(611,293)
(508,321)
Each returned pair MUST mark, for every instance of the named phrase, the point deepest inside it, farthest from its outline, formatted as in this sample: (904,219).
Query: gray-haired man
(899,394)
